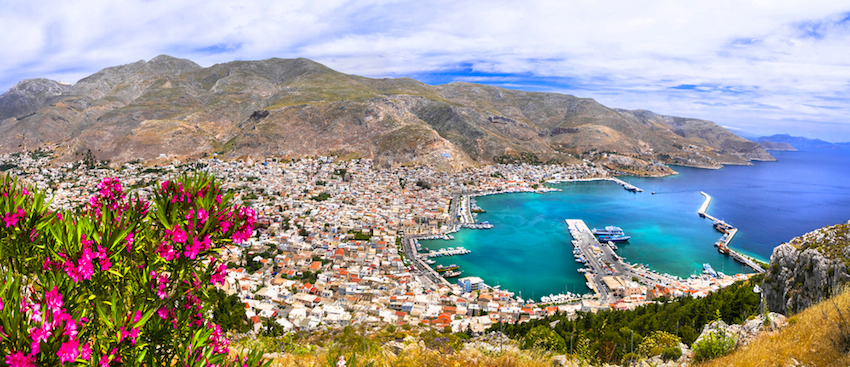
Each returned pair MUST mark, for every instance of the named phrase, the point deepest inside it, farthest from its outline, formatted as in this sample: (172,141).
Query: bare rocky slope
(808,269)
(297,107)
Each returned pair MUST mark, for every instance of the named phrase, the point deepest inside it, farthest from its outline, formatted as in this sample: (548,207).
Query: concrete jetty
(626,185)
(729,232)
(704,206)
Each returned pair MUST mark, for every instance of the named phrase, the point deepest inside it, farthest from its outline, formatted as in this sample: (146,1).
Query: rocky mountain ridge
(808,269)
(174,108)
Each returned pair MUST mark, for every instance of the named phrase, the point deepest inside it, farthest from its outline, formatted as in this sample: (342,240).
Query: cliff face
(297,107)
(808,269)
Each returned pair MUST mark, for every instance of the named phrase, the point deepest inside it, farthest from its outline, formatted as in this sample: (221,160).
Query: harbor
(728,233)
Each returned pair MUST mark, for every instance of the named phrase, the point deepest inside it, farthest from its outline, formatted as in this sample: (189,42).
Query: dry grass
(423,357)
(811,340)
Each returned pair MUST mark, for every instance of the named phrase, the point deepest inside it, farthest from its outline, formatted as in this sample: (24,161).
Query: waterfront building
(470,284)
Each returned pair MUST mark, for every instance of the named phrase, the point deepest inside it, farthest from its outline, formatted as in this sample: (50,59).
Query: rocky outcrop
(808,269)
(297,107)
(635,166)
(745,332)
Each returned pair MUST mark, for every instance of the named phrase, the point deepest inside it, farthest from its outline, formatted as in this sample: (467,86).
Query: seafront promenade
(728,233)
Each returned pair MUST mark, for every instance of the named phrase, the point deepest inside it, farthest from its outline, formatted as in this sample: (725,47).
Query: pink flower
(130,239)
(202,215)
(1,304)
(218,275)
(68,351)
(167,252)
(101,253)
(24,191)
(177,234)
(19,359)
(41,333)
(54,299)
(11,220)
(137,317)
(85,352)
(162,312)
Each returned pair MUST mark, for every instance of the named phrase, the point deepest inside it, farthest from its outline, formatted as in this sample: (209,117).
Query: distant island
(791,143)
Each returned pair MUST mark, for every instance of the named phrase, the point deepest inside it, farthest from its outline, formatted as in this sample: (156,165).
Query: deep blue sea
(529,249)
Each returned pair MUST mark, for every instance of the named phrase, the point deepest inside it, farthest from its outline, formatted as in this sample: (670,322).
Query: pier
(728,233)
(626,185)
(601,262)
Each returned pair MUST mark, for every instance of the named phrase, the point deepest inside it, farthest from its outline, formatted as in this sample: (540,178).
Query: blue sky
(762,67)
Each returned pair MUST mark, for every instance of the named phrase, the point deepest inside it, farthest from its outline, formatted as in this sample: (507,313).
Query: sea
(529,253)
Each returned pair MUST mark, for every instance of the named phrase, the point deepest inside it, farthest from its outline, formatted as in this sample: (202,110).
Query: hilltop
(174,108)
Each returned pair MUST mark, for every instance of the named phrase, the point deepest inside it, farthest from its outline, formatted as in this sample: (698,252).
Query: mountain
(296,107)
(769,145)
(801,142)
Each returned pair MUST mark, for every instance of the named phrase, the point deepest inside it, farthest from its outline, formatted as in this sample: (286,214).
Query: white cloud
(764,63)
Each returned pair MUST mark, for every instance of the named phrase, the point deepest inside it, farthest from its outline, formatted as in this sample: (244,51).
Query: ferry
(611,234)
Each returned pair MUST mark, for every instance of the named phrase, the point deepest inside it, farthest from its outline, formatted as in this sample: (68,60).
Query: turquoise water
(529,249)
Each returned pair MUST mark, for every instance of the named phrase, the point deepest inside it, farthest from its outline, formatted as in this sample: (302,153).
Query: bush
(712,346)
(657,343)
(629,358)
(543,337)
(671,353)
(123,281)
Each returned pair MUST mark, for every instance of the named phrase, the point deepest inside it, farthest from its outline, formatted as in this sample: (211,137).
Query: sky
(755,67)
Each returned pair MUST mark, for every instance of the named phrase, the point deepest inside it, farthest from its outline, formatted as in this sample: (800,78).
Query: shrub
(543,337)
(629,358)
(671,353)
(712,346)
(656,343)
(124,281)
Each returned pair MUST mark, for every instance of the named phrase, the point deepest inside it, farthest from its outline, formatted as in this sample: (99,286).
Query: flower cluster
(51,323)
(100,298)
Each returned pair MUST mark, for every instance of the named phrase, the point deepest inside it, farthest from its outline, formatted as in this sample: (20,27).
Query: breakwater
(728,233)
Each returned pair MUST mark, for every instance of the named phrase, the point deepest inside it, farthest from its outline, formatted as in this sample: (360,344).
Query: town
(336,242)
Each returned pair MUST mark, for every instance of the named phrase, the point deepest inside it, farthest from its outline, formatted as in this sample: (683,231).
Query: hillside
(296,107)
(817,336)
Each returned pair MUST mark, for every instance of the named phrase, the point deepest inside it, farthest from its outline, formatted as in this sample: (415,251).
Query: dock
(626,185)
(729,232)
(602,263)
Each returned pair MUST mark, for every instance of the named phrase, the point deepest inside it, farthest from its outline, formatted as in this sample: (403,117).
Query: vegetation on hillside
(610,335)
(817,336)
